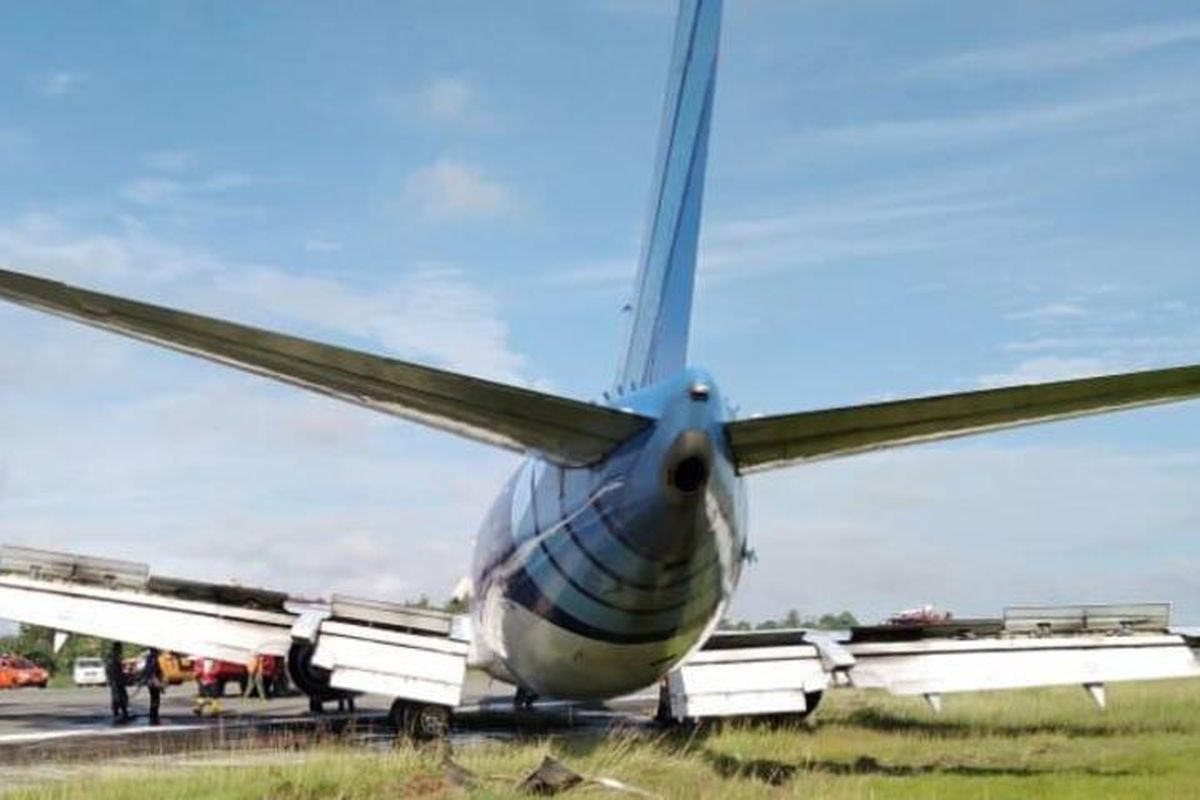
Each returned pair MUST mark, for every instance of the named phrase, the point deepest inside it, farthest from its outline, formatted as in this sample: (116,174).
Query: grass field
(1042,743)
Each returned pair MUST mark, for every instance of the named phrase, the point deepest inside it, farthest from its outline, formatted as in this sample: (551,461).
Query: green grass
(61,680)
(1043,743)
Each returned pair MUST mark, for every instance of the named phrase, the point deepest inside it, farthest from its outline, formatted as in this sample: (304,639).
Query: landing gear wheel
(662,715)
(523,699)
(421,722)
(313,680)
(811,701)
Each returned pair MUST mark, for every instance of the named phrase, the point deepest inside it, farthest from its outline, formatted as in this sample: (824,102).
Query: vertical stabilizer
(661,310)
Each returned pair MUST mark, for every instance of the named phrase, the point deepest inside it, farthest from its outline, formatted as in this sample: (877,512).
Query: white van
(88,672)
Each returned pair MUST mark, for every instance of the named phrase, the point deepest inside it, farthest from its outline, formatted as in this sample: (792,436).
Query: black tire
(421,722)
(398,716)
(219,689)
(662,714)
(311,679)
(243,683)
(812,700)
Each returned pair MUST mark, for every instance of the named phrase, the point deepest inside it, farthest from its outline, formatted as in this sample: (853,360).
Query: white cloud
(151,191)
(160,191)
(446,101)
(319,244)
(646,8)
(116,448)
(1071,51)
(607,274)
(431,313)
(58,83)
(223,477)
(1118,111)
(1124,347)
(44,243)
(427,312)
(1050,368)
(170,160)
(221,181)
(1050,311)
(977,525)
(449,189)
(14,146)
(871,223)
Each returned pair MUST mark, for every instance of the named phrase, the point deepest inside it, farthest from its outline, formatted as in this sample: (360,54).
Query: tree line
(793,619)
(37,644)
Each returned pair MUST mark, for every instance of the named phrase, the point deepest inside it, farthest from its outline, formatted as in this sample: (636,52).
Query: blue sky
(902,199)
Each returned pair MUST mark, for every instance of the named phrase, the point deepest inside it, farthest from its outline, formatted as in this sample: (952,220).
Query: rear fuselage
(594,581)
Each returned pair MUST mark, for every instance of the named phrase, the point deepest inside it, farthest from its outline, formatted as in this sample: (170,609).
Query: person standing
(152,678)
(114,673)
(254,678)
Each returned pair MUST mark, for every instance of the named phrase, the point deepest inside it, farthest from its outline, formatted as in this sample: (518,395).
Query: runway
(39,725)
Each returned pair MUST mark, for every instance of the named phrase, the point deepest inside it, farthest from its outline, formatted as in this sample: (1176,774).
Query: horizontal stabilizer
(766,442)
(564,430)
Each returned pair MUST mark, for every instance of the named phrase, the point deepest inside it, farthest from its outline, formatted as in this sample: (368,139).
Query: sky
(903,199)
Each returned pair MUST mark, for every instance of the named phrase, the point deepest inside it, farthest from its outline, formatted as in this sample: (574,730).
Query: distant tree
(456,605)
(838,621)
(793,619)
(37,644)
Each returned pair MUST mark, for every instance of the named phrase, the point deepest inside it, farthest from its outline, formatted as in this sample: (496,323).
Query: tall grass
(1042,743)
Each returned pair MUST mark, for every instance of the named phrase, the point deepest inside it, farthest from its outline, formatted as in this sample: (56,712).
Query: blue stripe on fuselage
(576,546)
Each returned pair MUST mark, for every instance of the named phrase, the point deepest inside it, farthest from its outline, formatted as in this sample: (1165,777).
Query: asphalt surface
(28,714)
(44,725)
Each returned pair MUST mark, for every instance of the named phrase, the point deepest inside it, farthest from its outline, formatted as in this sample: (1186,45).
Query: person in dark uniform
(115,675)
(152,678)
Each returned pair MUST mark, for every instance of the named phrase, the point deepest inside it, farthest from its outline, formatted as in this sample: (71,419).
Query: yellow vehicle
(175,668)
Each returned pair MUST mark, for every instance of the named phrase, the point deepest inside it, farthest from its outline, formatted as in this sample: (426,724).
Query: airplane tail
(660,312)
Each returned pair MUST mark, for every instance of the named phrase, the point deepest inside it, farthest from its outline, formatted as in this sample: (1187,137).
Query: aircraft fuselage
(594,581)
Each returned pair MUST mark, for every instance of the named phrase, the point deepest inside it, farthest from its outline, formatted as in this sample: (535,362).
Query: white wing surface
(355,645)
(772,672)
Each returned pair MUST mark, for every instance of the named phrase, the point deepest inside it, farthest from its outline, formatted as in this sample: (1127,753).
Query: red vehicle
(23,672)
(213,675)
(925,615)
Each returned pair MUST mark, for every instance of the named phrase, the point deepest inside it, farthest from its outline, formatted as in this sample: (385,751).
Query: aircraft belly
(556,662)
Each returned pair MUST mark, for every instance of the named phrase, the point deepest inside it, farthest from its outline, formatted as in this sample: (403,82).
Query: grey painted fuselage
(595,581)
